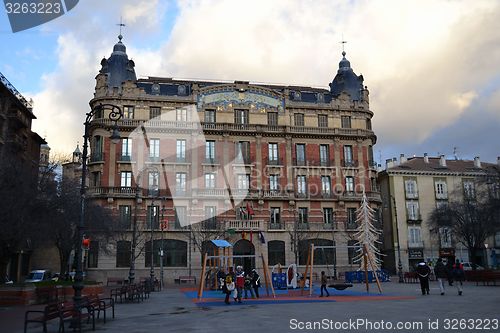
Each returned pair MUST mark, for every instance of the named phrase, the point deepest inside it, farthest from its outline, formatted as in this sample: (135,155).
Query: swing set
(367,260)
(225,259)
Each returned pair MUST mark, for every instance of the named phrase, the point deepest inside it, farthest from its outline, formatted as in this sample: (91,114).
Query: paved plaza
(174,310)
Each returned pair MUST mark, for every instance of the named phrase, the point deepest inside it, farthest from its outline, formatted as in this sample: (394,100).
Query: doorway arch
(244,247)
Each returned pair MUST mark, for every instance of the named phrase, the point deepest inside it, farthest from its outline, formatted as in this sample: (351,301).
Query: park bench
(484,276)
(185,279)
(50,312)
(101,304)
(115,281)
(119,293)
(62,311)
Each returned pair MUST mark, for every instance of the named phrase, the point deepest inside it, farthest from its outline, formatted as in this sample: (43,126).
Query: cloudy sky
(432,67)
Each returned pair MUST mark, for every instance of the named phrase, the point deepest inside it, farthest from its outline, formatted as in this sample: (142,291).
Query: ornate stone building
(270,168)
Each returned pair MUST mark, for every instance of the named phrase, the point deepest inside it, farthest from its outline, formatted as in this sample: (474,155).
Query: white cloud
(424,62)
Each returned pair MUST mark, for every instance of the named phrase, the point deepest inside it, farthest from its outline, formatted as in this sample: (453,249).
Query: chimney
(477,162)
(442,161)
(402,159)
(395,161)
(389,164)
(498,161)
(426,158)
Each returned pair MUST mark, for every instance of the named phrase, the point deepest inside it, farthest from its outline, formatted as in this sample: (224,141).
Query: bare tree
(472,220)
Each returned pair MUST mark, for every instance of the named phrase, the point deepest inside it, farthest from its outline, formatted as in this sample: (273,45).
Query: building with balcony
(271,168)
(412,188)
(19,168)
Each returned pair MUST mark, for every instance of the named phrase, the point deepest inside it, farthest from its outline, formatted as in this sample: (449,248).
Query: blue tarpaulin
(221,243)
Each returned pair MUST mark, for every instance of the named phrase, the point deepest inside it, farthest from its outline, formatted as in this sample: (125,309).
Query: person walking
(459,276)
(255,282)
(324,281)
(248,286)
(441,274)
(423,272)
(240,283)
(449,271)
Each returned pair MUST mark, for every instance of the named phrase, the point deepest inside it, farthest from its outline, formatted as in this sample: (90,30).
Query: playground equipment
(282,280)
(223,261)
(310,268)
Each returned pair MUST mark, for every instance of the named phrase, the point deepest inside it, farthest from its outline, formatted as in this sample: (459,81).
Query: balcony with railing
(97,157)
(210,160)
(124,159)
(273,162)
(416,245)
(244,225)
(273,194)
(350,163)
(210,192)
(413,218)
(253,128)
(119,191)
(276,226)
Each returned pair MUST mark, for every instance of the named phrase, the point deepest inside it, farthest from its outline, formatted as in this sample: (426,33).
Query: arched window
(174,253)
(276,252)
(321,256)
(123,252)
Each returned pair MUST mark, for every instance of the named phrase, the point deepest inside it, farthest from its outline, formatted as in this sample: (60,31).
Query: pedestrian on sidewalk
(449,271)
(459,276)
(441,274)
(229,286)
(255,282)
(423,272)
(240,283)
(324,281)
(248,286)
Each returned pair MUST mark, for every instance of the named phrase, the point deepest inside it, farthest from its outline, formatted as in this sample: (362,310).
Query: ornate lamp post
(114,114)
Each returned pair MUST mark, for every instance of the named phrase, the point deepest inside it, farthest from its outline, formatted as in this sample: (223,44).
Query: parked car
(469,266)
(39,275)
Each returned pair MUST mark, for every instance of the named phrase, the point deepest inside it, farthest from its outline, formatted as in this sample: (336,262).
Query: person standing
(255,282)
(441,274)
(229,286)
(423,272)
(324,281)
(248,286)
(458,276)
(240,283)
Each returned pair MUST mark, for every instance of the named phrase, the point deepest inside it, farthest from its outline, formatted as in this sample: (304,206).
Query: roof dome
(119,47)
(344,64)
(118,67)
(347,81)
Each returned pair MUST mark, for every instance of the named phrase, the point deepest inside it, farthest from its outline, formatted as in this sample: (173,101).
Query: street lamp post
(115,114)
(152,220)
(162,226)
(398,247)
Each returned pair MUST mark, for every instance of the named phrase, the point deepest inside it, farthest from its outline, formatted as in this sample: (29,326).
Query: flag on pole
(249,209)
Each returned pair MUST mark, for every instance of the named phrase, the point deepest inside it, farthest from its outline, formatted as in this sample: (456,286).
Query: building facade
(270,168)
(412,188)
(19,167)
